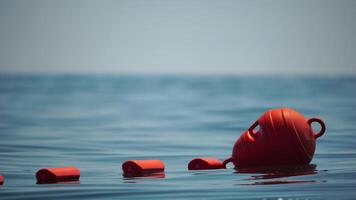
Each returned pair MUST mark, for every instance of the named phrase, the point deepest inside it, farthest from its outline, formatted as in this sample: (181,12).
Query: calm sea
(97,122)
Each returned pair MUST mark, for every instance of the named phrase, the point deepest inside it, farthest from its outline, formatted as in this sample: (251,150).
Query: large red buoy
(285,137)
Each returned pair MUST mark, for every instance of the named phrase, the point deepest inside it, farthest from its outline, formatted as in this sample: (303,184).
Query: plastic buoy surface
(1,180)
(205,163)
(284,137)
(57,174)
(142,167)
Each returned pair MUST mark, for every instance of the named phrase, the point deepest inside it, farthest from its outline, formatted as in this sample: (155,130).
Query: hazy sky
(182,36)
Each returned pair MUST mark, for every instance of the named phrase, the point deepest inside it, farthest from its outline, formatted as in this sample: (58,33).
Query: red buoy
(58,174)
(285,137)
(205,163)
(134,168)
(1,180)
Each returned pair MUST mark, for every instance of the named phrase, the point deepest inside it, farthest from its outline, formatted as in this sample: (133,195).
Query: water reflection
(279,182)
(145,175)
(60,182)
(275,172)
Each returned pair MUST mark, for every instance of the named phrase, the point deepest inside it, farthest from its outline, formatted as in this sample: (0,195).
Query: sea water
(97,122)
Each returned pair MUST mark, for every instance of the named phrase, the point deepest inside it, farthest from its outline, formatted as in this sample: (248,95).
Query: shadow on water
(276,172)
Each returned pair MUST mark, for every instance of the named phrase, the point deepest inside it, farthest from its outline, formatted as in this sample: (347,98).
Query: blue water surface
(98,122)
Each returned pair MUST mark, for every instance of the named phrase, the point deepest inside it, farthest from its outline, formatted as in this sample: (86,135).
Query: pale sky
(182,36)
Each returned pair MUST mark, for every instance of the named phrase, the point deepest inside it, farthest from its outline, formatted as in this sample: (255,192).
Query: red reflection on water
(273,172)
(279,182)
(61,182)
(146,175)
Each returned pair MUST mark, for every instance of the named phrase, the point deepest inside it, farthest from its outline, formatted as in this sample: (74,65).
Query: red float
(134,168)
(205,163)
(1,180)
(285,137)
(58,174)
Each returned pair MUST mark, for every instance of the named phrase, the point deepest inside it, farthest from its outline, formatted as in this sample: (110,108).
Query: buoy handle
(322,126)
(253,126)
(227,161)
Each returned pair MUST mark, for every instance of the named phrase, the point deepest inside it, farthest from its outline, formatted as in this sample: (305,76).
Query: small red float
(134,168)
(285,137)
(1,180)
(205,163)
(58,174)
